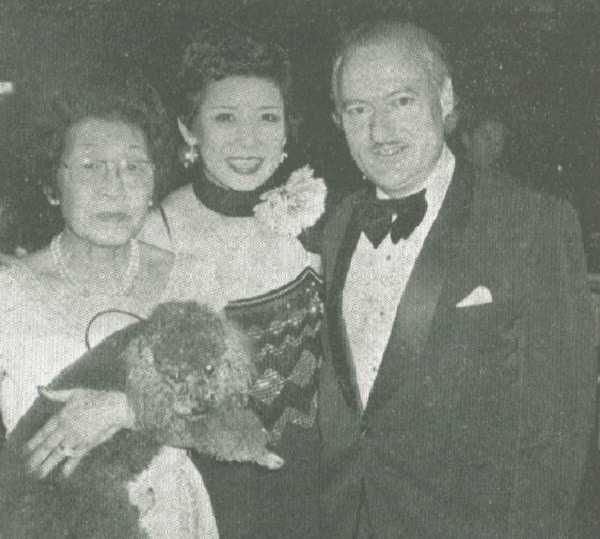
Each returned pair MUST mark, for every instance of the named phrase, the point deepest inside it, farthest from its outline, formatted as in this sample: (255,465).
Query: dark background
(536,62)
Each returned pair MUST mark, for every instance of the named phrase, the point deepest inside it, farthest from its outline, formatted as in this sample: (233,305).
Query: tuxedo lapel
(420,299)
(342,359)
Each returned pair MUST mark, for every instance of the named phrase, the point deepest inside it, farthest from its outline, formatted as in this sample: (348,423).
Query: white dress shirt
(377,278)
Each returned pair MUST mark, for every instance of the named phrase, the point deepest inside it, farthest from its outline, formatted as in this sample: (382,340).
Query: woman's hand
(88,419)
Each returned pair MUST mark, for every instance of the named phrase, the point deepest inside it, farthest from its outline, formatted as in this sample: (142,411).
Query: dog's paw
(270,461)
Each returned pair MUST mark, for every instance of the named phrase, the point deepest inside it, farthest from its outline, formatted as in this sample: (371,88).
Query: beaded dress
(261,280)
(42,331)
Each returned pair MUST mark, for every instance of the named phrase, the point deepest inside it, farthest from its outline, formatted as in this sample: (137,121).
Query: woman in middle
(242,213)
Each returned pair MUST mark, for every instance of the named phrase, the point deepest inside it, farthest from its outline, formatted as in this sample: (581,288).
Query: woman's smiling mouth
(245,165)
(388,150)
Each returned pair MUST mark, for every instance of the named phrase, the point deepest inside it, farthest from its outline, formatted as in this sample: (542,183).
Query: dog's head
(204,359)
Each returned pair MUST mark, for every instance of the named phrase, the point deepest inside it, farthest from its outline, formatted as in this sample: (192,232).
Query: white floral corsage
(295,206)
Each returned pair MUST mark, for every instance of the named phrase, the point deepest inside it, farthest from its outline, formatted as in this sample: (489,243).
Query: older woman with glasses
(99,166)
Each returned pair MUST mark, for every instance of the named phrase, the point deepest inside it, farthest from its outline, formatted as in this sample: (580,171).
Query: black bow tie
(376,217)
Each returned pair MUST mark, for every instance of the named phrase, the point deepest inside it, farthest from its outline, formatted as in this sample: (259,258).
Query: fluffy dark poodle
(187,375)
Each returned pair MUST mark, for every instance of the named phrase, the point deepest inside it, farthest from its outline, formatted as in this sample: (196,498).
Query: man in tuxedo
(457,390)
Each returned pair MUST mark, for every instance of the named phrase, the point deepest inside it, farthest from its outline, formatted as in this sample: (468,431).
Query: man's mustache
(388,147)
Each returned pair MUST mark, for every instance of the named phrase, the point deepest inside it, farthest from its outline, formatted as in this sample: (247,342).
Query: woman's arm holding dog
(88,419)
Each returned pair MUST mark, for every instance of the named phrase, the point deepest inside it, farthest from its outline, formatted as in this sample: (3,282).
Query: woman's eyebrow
(349,102)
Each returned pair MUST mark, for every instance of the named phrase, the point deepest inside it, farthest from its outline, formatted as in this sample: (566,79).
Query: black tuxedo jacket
(479,419)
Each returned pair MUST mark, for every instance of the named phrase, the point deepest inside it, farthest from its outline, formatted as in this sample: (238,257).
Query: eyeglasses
(131,171)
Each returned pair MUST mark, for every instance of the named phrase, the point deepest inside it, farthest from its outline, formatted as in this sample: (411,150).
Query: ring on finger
(65,450)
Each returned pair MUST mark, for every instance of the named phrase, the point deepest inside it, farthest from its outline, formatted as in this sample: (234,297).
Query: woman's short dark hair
(219,52)
(132,101)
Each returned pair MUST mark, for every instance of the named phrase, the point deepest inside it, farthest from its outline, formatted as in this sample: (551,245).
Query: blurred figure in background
(484,135)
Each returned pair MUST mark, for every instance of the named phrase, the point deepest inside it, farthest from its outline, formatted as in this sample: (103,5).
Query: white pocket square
(479,296)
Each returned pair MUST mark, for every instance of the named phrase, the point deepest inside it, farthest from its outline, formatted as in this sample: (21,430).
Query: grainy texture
(93,501)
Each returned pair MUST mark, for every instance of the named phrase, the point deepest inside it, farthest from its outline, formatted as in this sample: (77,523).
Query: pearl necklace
(131,272)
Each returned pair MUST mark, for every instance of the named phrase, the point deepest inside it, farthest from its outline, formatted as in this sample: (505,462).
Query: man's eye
(402,101)
(131,166)
(271,117)
(224,117)
(88,164)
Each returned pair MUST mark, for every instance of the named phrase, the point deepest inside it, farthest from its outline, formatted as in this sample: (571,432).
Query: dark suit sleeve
(557,378)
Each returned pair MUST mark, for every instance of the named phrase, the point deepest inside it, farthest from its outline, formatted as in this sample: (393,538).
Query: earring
(51,197)
(190,156)
(151,204)
(283,157)
(191,153)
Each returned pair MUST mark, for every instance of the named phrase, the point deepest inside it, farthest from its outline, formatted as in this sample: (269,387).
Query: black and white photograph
(299,269)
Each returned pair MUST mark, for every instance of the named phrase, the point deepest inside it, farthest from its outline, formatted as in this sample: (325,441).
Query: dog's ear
(146,354)
(238,341)
(239,357)
(138,352)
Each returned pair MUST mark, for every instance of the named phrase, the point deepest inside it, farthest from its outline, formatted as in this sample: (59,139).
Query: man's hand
(88,419)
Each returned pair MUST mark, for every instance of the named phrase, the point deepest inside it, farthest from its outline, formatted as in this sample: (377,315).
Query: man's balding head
(393,95)
(421,42)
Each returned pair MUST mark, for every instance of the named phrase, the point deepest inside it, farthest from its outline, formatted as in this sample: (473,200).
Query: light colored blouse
(244,257)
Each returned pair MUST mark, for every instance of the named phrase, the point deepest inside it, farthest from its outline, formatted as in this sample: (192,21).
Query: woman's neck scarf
(230,202)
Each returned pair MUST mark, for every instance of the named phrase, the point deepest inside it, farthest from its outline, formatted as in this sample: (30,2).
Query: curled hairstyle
(132,101)
(378,32)
(219,52)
